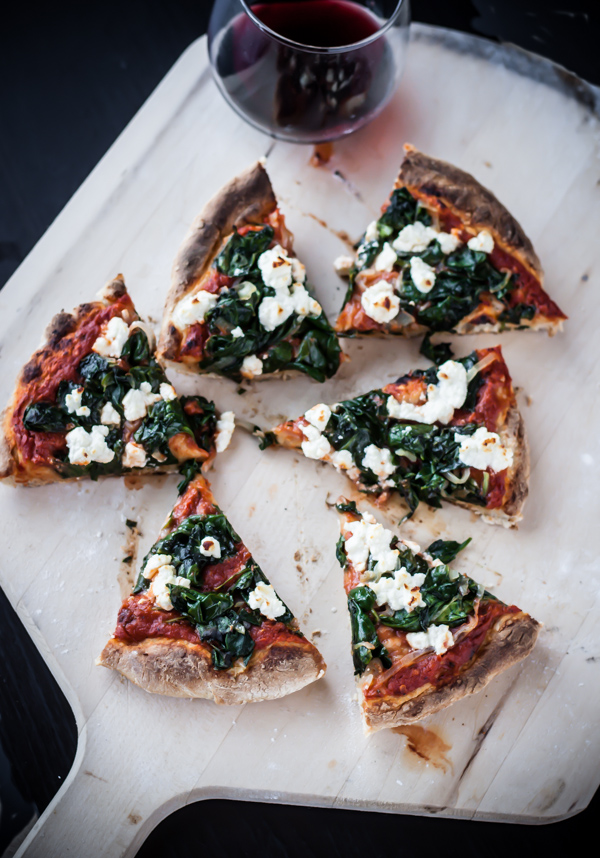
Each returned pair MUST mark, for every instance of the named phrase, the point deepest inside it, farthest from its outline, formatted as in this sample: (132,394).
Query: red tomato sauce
(197,499)
(440,670)
(139,619)
(272,632)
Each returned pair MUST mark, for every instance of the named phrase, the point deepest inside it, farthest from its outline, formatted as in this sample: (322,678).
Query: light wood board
(524,750)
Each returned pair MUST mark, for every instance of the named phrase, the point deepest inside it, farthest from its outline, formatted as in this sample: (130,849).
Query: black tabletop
(71,76)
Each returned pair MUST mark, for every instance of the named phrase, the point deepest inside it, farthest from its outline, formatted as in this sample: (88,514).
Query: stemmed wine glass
(308,71)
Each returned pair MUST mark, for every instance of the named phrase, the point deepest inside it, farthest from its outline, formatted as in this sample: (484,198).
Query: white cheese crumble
(316,445)
(448,242)
(237,333)
(303,302)
(158,589)
(385,259)
(342,460)
(442,398)
(483,450)
(251,366)
(298,270)
(155,561)
(210,547)
(378,460)
(343,265)
(225,427)
(111,343)
(482,241)
(109,415)
(370,537)
(167,392)
(400,592)
(276,267)
(73,403)
(193,308)
(380,302)
(134,455)
(318,416)
(274,310)
(85,447)
(414,238)
(438,637)
(372,233)
(137,401)
(423,275)
(265,599)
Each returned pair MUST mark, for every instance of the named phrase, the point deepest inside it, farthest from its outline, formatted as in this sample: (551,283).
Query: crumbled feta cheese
(265,599)
(134,455)
(109,415)
(298,270)
(448,242)
(483,450)
(225,427)
(237,333)
(210,547)
(343,265)
(442,398)
(316,445)
(370,537)
(400,592)
(276,268)
(159,589)
(342,460)
(438,637)
(137,401)
(380,302)
(193,308)
(303,302)
(155,561)
(482,241)
(423,275)
(274,310)
(85,447)
(111,343)
(73,403)
(385,259)
(246,290)
(251,366)
(372,233)
(167,392)
(379,461)
(414,238)
(318,416)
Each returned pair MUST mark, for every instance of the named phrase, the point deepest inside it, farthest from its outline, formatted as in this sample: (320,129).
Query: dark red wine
(301,94)
(320,23)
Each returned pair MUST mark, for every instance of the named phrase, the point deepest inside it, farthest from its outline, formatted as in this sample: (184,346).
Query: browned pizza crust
(513,638)
(248,198)
(178,668)
(475,205)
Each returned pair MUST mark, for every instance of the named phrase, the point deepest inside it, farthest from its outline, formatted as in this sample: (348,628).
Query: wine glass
(308,71)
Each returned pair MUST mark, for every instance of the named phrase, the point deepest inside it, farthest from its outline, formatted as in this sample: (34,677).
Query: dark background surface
(72,75)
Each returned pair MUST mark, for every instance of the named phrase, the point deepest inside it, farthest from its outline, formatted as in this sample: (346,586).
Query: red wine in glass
(307,70)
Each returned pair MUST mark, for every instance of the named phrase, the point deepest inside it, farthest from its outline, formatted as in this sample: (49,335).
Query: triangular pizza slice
(423,634)
(93,401)
(452,432)
(444,255)
(239,304)
(204,621)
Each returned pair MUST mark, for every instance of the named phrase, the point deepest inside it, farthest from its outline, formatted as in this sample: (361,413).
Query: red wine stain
(427,745)
(321,155)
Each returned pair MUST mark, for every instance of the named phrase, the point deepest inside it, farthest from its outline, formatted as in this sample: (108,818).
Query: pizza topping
(134,455)
(109,415)
(193,308)
(367,539)
(85,447)
(438,637)
(316,445)
(276,268)
(484,450)
(246,290)
(225,427)
(343,265)
(443,398)
(399,592)
(264,599)
(111,343)
(251,366)
(379,461)
(303,301)
(448,242)
(318,416)
(414,238)
(161,577)
(380,302)
(482,241)
(342,460)
(274,311)
(137,400)
(210,547)
(372,232)
(167,392)
(423,275)
(73,403)
(384,261)
(237,332)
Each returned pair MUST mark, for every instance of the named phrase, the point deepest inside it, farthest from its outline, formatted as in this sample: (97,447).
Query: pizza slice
(423,634)
(93,401)
(444,255)
(204,621)
(239,304)
(452,432)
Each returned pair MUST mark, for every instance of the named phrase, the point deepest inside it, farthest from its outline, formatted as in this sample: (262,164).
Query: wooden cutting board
(524,750)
